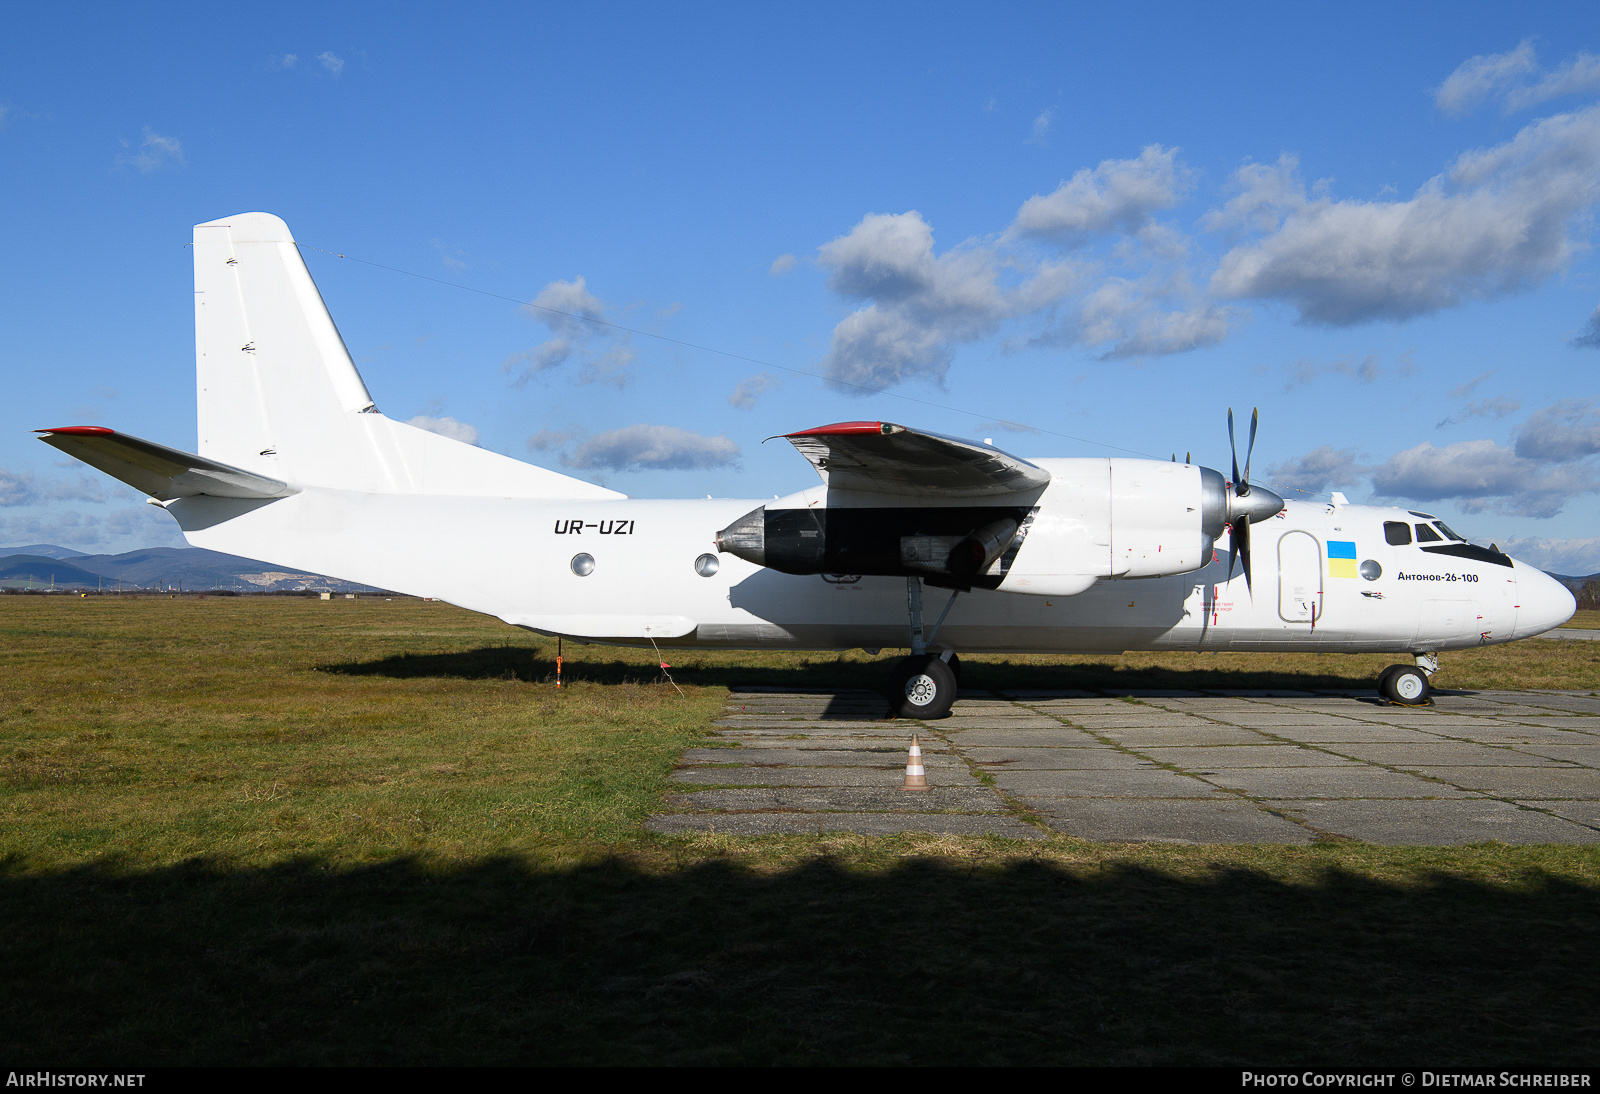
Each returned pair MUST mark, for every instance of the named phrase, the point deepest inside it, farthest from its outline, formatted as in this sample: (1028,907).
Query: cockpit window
(1397,532)
(1426,534)
(1448,533)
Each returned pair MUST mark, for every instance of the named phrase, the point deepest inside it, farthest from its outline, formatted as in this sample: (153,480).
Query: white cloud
(1317,470)
(1040,133)
(287,60)
(1118,195)
(153,153)
(1567,430)
(1580,74)
(921,303)
(1477,473)
(1499,220)
(653,448)
(1589,337)
(576,318)
(1576,557)
(547,438)
(447,427)
(1480,77)
(452,257)
(19,488)
(1498,407)
(782,265)
(1129,316)
(334,65)
(1510,76)
(1304,371)
(752,388)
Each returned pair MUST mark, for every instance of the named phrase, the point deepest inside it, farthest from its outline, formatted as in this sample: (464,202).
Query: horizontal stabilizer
(163,473)
(884,458)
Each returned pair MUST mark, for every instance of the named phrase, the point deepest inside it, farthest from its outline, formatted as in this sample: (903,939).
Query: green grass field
(278,830)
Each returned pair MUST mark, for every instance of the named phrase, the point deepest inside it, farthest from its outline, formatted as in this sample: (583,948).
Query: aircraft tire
(1407,685)
(1383,680)
(922,687)
(955,666)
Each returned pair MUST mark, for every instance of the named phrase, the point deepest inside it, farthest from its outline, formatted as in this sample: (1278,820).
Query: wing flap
(163,473)
(884,458)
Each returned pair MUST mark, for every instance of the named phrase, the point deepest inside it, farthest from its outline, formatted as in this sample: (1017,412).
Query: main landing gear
(923,685)
(1407,684)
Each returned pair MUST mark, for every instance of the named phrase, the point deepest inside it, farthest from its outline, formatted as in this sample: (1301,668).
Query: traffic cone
(916,776)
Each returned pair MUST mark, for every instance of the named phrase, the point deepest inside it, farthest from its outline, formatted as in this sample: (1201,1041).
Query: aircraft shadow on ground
(923,962)
(521,663)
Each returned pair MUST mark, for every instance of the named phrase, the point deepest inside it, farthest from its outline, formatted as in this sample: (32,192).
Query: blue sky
(1373,221)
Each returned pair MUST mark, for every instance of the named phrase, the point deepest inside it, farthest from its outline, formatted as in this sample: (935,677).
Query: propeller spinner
(1246,504)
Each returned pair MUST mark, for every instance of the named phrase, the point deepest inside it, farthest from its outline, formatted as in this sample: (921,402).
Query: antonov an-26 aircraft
(912,539)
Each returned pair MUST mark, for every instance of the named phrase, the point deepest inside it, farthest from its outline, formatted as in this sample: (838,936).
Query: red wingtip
(81,430)
(845,428)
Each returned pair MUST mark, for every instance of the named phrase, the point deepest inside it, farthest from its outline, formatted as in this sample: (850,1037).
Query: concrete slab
(1586,813)
(1149,782)
(816,776)
(1258,755)
(817,757)
(1054,759)
(1586,754)
(1266,719)
(956,725)
(875,824)
(1349,732)
(1455,822)
(1200,733)
(1522,782)
(1059,737)
(1332,782)
(1223,820)
(1443,754)
(842,799)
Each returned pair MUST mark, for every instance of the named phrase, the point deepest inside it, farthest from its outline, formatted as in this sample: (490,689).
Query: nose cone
(746,537)
(1257,505)
(1543,602)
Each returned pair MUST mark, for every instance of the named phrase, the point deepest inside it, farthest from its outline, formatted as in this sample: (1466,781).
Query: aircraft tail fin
(279,396)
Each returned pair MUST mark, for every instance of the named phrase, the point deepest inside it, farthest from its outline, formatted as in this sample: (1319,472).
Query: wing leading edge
(884,458)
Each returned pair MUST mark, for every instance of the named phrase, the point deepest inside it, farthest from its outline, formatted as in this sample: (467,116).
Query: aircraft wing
(884,458)
(163,473)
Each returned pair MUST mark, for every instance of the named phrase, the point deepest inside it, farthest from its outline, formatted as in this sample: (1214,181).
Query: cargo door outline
(1299,578)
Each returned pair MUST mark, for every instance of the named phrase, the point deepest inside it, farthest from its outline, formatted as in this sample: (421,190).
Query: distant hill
(163,568)
(38,572)
(43,550)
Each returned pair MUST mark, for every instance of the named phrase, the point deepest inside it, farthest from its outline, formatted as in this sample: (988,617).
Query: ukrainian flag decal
(1341,558)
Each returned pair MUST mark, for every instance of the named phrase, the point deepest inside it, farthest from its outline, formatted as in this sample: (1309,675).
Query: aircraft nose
(1543,602)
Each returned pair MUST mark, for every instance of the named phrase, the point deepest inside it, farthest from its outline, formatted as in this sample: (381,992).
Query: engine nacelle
(1097,519)
(1101,519)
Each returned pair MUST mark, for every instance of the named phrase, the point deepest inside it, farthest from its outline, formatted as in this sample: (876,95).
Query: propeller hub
(1256,505)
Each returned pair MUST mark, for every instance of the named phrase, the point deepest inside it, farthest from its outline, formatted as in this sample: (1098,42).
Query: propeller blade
(1241,531)
(1244,483)
(1232,448)
(1233,553)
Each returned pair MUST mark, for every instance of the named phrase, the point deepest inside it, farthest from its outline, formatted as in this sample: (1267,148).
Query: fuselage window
(1428,535)
(1449,533)
(1397,532)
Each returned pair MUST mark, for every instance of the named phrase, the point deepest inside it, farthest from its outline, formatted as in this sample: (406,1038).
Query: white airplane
(297,465)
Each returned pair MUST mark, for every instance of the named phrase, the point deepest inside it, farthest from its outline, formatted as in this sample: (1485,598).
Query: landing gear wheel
(1383,680)
(1406,685)
(921,687)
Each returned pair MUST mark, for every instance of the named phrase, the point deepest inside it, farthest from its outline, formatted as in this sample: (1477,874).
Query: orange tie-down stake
(916,775)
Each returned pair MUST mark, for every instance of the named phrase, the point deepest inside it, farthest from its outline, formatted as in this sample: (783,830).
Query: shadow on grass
(814,671)
(619,961)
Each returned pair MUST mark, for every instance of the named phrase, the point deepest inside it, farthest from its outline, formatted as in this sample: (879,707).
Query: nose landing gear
(1407,684)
